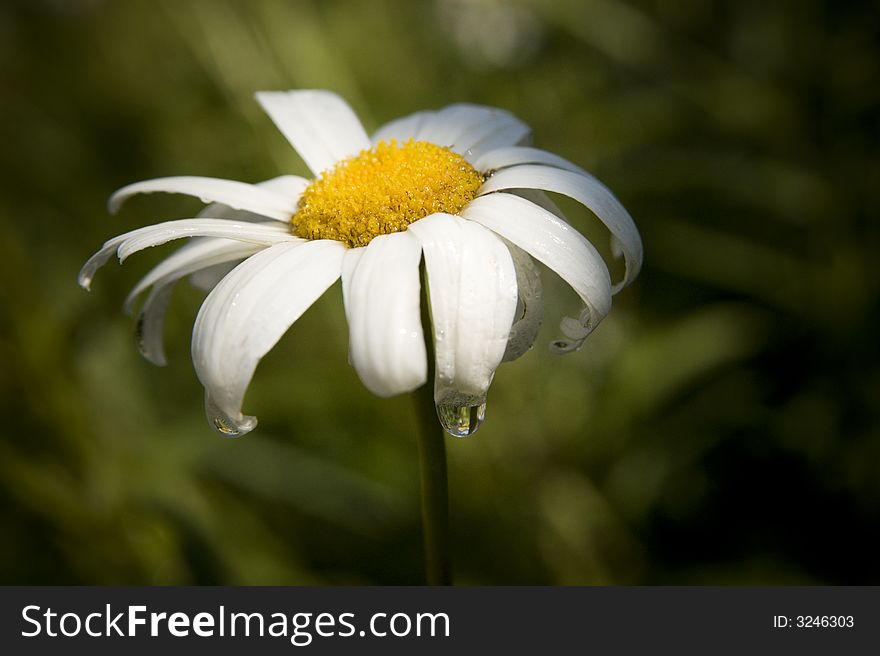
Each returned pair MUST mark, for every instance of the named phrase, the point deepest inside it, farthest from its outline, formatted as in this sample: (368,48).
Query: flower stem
(432,464)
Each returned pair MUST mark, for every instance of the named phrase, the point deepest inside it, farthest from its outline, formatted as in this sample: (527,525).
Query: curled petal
(318,124)
(381,291)
(472,291)
(248,312)
(585,189)
(198,254)
(205,259)
(150,324)
(204,254)
(529,306)
(560,247)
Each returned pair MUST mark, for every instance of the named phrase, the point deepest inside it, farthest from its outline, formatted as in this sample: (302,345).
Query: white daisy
(454,188)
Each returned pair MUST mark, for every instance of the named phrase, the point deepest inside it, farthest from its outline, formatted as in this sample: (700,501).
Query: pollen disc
(382,190)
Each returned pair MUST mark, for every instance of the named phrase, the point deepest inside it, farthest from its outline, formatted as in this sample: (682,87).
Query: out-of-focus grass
(720,426)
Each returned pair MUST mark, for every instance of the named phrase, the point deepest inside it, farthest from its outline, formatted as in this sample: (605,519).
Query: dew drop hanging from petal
(224,424)
(461,420)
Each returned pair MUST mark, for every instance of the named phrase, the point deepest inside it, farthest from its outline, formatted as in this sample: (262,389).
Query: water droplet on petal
(461,420)
(226,425)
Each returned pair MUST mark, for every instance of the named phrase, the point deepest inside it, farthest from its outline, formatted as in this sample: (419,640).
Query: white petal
(402,129)
(507,131)
(291,186)
(198,254)
(540,199)
(131,242)
(349,263)
(472,289)
(238,195)
(318,124)
(204,254)
(248,312)
(502,158)
(529,305)
(381,292)
(470,129)
(588,191)
(151,317)
(446,125)
(206,259)
(150,324)
(552,241)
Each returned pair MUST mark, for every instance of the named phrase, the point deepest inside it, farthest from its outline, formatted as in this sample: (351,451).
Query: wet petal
(318,124)
(552,241)
(248,312)
(472,290)
(381,291)
(585,189)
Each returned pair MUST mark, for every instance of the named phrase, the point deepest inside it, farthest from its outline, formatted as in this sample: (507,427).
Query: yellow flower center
(382,190)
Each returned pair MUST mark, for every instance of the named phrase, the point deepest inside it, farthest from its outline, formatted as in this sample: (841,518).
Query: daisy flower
(454,189)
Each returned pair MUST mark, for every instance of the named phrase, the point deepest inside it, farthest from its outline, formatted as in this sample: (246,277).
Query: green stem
(432,464)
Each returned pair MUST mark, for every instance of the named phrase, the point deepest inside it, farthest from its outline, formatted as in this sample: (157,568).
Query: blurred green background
(721,426)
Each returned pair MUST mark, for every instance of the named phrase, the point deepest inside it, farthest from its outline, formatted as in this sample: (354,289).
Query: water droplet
(226,425)
(222,426)
(461,420)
